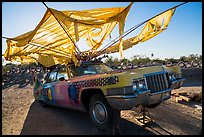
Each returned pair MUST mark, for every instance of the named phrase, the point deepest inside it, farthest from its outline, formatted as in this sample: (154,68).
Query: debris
(176,94)
(144,119)
(198,107)
(185,98)
(178,99)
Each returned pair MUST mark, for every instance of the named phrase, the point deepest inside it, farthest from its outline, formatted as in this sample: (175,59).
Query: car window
(87,69)
(62,73)
(52,77)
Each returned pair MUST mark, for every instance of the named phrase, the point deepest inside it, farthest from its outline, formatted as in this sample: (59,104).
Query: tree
(116,62)
(183,58)
(109,61)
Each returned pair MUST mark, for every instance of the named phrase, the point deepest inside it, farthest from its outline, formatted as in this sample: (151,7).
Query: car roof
(87,62)
(82,63)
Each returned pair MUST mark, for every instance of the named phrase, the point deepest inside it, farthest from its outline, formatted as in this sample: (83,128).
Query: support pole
(144,114)
(62,28)
(132,29)
(142,118)
(5,38)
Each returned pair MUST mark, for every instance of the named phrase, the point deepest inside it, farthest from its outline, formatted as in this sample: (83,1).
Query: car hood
(125,76)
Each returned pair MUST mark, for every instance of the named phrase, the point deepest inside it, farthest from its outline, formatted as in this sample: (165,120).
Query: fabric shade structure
(56,35)
(53,41)
(152,28)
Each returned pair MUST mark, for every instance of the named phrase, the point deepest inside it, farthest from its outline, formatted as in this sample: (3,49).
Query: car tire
(194,63)
(187,65)
(102,115)
(43,104)
(153,105)
(181,64)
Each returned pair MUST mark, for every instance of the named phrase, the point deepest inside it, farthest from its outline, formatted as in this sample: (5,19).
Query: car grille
(157,81)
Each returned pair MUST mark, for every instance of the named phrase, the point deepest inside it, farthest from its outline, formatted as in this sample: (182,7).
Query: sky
(182,37)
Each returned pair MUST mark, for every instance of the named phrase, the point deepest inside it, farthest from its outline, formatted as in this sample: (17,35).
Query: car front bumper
(145,98)
(126,102)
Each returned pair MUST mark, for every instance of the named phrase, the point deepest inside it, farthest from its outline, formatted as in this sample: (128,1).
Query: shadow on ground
(60,121)
(22,79)
(193,77)
(172,118)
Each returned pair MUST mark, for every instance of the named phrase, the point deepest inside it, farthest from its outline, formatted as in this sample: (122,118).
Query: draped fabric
(152,28)
(53,40)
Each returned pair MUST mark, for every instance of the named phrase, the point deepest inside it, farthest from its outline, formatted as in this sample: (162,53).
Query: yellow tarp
(152,28)
(49,43)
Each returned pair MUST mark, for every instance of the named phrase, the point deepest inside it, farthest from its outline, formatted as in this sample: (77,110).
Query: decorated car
(82,83)
(95,88)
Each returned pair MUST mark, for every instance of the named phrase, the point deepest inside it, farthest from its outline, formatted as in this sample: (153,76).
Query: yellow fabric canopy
(152,28)
(53,40)
(49,43)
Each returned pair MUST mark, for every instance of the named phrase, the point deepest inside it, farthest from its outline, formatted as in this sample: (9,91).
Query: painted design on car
(106,91)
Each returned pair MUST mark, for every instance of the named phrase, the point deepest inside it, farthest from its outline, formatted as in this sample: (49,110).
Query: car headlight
(172,76)
(139,84)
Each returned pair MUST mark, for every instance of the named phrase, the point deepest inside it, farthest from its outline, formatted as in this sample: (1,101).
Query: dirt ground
(21,115)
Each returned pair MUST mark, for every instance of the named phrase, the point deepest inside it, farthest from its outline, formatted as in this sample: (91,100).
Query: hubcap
(99,112)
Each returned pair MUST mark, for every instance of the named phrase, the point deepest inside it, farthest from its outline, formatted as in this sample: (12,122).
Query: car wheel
(102,115)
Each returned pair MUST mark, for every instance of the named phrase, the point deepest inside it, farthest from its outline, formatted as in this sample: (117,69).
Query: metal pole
(133,28)
(62,28)
(5,38)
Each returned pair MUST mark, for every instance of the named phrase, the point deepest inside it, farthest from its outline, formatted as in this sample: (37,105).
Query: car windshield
(87,69)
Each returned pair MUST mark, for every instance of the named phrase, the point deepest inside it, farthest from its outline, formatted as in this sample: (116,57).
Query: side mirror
(61,79)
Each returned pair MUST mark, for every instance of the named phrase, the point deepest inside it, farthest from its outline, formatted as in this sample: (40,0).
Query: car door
(48,88)
(61,88)
(58,90)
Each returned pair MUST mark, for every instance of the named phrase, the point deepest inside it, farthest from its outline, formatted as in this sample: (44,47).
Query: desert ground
(21,115)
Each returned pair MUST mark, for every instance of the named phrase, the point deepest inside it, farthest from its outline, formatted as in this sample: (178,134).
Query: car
(95,88)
